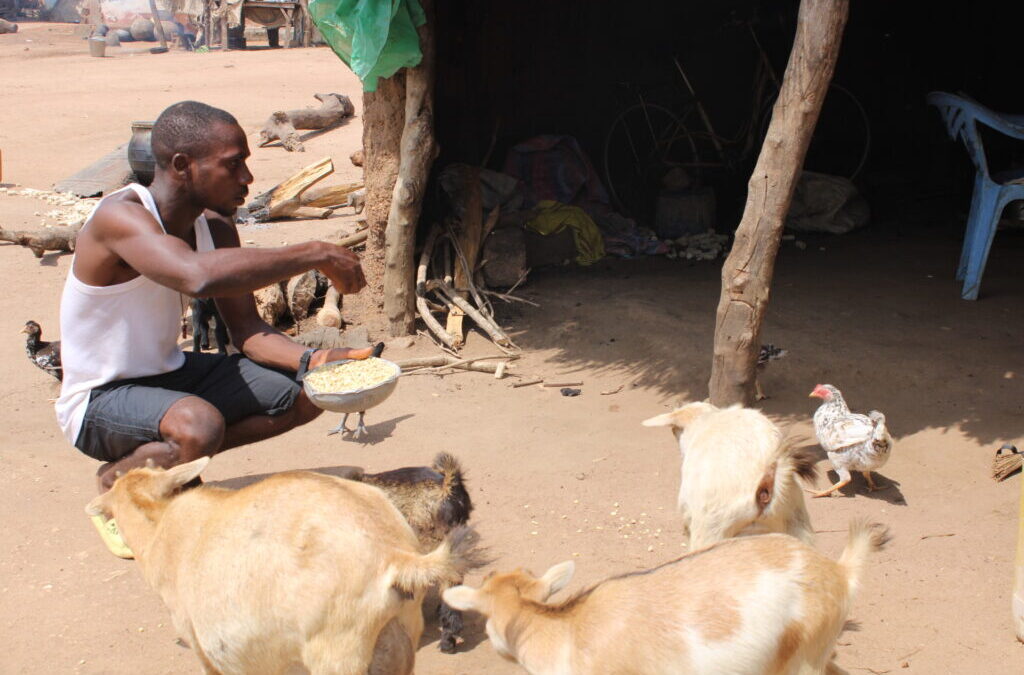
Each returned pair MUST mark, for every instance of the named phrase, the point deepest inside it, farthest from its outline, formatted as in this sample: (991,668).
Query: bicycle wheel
(643,144)
(842,137)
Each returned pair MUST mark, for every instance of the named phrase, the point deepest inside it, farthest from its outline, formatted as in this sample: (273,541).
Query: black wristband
(303,365)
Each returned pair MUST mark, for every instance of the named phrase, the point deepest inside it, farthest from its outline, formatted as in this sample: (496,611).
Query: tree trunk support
(747,272)
(417,153)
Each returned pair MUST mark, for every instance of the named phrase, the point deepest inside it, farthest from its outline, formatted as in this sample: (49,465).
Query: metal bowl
(353,401)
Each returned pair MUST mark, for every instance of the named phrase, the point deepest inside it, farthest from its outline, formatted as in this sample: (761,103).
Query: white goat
(738,476)
(766,604)
(299,572)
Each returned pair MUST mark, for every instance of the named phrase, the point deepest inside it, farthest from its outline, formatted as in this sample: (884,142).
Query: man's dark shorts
(123,415)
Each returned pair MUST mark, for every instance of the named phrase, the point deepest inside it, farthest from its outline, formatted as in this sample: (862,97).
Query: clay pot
(142,29)
(140,153)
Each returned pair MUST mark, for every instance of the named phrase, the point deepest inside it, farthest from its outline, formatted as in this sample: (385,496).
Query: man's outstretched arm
(259,341)
(131,233)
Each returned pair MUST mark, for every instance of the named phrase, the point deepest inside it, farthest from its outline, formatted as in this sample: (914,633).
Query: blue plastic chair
(962,116)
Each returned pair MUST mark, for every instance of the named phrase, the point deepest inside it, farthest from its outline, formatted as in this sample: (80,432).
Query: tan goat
(738,475)
(768,604)
(301,572)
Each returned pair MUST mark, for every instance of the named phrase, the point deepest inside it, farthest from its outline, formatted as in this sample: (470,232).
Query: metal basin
(351,401)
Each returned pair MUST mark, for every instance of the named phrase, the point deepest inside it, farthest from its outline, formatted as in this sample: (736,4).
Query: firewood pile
(449,284)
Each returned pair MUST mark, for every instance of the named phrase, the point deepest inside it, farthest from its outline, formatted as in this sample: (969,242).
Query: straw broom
(1005,464)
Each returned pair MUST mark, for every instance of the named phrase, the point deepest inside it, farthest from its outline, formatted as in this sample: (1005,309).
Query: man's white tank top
(115,332)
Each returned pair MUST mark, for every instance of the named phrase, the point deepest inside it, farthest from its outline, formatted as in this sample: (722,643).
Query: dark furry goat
(204,310)
(434,501)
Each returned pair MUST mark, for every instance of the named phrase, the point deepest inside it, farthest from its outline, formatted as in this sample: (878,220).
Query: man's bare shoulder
(122,213)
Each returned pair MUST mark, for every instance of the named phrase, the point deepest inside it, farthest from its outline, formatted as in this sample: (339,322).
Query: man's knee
(195,426)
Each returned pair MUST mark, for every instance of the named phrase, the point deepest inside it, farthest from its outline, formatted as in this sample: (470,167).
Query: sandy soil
(553,478)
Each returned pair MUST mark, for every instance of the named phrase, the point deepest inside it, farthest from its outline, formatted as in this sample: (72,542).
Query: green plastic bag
(375,38)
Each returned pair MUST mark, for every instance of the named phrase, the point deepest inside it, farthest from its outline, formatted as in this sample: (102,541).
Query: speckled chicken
(854,442)
(46,355)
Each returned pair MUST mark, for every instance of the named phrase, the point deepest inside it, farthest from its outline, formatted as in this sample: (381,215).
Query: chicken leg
(342,428)
(844,480)
(871,484)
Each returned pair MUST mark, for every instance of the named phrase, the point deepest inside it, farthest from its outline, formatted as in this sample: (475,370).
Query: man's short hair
(186,127)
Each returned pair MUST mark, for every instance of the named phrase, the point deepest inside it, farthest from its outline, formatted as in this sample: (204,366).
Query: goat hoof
(447,644)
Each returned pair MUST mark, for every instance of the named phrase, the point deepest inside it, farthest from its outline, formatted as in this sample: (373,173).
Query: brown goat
(434,501)
(298,572)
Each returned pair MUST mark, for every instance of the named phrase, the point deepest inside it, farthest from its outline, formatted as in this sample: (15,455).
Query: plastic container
(97,47)
(352,401)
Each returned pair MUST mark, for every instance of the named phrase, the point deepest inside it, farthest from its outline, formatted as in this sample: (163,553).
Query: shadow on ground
(875,312)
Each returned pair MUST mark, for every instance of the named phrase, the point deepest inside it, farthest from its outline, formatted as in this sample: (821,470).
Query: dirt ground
(552,478)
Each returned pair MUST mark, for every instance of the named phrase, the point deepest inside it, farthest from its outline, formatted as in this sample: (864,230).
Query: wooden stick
(330,314)
(562,384)
(516,385)
(354,239)
(433,325)
(481,320)
(445,360)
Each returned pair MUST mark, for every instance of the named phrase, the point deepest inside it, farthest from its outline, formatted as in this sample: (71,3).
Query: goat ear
(177,476)
(97,507)
(557,577)
(680,417)
(462,598)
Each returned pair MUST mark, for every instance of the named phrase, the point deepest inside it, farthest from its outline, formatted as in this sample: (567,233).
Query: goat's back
(259,573)
(753,605)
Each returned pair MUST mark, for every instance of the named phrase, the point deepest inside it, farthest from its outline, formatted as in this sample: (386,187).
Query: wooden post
(1018,584)
(158,25)
(747,272)
(224,25)
(418,151)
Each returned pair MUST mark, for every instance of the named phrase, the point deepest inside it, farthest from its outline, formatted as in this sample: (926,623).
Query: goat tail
(449,467)
(864,538)
(459,553)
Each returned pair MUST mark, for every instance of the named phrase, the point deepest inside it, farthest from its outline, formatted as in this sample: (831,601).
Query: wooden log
(270,303)
(747,272)
(330,314)
(283,124)
(285,198)
(300,293)
(326,196)
(7,27)
(43,240)
(417,153)
(354,239)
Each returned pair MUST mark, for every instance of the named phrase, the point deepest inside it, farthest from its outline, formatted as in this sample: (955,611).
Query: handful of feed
(346,376)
